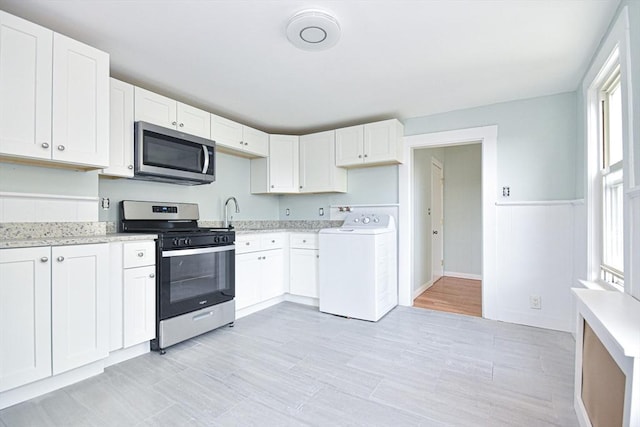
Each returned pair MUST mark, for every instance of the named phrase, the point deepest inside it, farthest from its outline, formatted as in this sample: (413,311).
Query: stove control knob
(187,241)
(356,220)
(224,239)
(216,239)
(176,242)
(366,220)
(376,219)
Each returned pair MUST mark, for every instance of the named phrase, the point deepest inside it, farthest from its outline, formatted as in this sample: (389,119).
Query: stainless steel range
(195,267)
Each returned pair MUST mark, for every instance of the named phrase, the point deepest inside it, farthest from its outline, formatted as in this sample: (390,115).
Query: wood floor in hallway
(453,295)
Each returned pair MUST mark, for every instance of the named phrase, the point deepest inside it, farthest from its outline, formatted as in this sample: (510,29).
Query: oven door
(191,279)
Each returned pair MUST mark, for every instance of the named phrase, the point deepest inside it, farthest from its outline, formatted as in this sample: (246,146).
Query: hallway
(453,295)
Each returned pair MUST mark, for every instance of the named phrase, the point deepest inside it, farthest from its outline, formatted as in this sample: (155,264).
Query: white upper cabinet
(162,111)
(236,138)
(278,173)
(26,62)
(370,144)
(318,171)
(55,96)
(121,130)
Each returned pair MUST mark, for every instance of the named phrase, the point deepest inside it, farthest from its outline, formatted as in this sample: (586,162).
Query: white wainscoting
(535,257)
(29,207)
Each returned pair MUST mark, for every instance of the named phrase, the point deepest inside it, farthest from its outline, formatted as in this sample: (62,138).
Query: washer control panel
(363,220)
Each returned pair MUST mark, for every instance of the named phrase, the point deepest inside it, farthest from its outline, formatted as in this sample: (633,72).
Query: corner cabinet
(318,171)
(236,138)
(162,111)
(25,346)
(370,144)
(278,173)
(55,96)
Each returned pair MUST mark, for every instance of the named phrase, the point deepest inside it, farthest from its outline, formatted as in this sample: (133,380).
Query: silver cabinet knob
(366,155)
(241,143)
(61,147)
(301,187)
(304,241)
(173,123)
(130,167)
(273,186)
(152,275)
(60,258)
(181,125)
(247,243)
(273,241)
(44,259)
(359,156)
(140,254)
(435,231)
(45,145)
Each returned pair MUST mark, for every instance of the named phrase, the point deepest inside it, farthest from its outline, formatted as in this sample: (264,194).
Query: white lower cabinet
(303,270)
(259,268)
(80,305)
(132,294)
(25,316)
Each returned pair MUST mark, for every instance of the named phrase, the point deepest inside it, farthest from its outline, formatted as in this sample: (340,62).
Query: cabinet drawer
(138,254)
(304,240)
(271,241)
(247,243)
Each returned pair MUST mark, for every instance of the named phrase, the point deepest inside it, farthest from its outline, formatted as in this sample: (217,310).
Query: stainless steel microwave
(166,155)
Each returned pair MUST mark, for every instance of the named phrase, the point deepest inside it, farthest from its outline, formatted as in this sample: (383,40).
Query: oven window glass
(166,152)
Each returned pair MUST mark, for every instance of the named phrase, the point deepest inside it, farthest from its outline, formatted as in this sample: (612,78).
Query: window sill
(599,285)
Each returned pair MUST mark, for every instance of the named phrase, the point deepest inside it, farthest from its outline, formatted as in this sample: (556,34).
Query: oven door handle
(198,251)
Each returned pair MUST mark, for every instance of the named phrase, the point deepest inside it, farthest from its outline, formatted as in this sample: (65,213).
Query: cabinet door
(382,142)
(248,279)
(283,164)
(153,108)
(120,130)
(272,274)
(139,305)
(304,272)
(25,316)
(25,85)
(255,141)
(80,103)
(318,170)
(226,133)
(80,305)
(349,146)
(193,120)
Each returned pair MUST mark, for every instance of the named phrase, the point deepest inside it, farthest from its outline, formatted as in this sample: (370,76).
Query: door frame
(439,165)
(487,136)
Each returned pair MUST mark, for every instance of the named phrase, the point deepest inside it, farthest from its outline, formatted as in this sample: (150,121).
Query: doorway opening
(409,282)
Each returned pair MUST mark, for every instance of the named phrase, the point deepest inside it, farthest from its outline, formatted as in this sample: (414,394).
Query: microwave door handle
(206,159)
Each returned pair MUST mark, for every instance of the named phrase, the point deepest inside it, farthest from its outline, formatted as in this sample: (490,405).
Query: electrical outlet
(321,211)
(506,191)
(287,212)
(105,203)
(535,302)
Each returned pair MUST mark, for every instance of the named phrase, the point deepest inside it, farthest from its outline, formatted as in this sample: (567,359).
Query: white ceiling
(396,58)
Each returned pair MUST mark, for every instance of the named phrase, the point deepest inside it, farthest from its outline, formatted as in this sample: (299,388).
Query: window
(611,177)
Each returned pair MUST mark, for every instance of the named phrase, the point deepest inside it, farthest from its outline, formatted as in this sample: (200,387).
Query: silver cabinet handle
(130,167)
(44,259)
(45,145)
(181,125)
(173,123)
(152,275)
(61,147)
(60,258)
(435,231)
(140,254)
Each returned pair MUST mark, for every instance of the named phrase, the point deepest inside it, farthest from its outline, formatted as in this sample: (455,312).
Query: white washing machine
(358,267)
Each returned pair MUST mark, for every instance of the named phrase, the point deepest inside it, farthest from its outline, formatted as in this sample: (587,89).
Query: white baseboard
(463,275)
(259,306)
(422,288)
(121,355)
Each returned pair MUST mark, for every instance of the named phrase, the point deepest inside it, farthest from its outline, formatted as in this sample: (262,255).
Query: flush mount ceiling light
(313,30)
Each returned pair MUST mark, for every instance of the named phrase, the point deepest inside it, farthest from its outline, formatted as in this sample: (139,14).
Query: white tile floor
(292,365)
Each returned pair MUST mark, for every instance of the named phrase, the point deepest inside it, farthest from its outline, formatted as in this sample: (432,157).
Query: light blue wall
(536,143)
(44,180)
(233,179)
(463,209)
(374,185)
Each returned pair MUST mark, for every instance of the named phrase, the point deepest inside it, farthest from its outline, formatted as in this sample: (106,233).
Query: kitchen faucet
(226,211)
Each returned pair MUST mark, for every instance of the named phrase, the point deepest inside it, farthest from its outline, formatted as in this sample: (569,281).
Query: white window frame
(612,53)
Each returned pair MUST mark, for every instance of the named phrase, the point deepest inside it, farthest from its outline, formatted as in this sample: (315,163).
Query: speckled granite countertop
(31,234)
